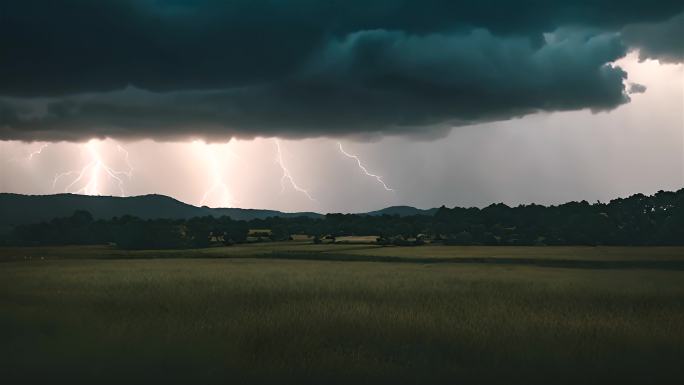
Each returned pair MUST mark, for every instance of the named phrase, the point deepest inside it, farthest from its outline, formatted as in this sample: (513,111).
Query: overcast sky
(442,102)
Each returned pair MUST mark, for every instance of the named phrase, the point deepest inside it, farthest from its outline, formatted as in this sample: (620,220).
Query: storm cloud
(76,69)
(663,41)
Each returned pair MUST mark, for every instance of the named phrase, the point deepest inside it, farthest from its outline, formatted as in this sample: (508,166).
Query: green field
(347,314)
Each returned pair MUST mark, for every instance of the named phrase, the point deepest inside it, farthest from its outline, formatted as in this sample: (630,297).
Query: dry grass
(102,252)
(365,239)
(541,252)
(287,321)
(365,250)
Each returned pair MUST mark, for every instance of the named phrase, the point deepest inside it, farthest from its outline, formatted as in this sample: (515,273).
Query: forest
(638,220)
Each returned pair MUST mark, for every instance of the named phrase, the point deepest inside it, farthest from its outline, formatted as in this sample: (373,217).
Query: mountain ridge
(17,209)
(402,211)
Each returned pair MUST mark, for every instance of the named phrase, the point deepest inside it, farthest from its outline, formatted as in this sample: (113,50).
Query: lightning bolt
(127,160)
(218,187)
(37,152)
(286,174)
(31,155)
(361,166)
(92,172)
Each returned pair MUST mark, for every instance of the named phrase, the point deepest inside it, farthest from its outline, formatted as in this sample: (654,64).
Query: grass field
(342,314)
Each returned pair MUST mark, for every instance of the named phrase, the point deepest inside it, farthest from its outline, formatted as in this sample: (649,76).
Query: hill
(19,209)
(403,211)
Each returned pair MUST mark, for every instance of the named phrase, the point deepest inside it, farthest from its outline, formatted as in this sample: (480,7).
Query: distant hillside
(18,209)
(403,211)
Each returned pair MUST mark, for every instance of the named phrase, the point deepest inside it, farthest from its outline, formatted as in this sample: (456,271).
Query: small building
(259,235)
(301,237)
(357,239)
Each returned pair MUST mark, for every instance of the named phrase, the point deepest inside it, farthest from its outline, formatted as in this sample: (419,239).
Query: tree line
(636,220)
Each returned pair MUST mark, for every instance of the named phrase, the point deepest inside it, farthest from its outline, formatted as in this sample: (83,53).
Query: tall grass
(266,321)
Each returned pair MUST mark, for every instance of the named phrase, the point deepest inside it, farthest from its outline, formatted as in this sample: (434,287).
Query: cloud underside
(177,69)
(663,41)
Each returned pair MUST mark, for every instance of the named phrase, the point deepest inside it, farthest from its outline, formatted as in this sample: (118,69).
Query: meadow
(339,314)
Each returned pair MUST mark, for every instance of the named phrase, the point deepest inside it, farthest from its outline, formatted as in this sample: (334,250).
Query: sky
(305,105)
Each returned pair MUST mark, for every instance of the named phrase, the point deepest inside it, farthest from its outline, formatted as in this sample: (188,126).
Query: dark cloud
(636,88)
(663,41)
(168,69)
